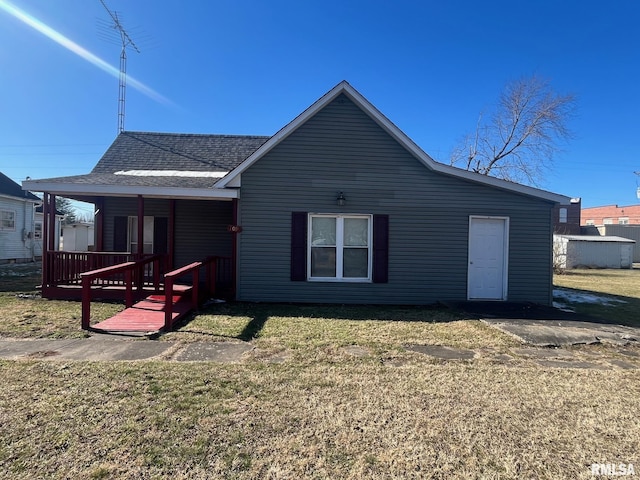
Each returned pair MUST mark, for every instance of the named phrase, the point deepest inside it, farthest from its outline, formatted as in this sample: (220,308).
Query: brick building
(611,215)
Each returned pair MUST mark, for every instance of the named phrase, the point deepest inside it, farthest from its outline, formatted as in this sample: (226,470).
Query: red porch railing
(65,268)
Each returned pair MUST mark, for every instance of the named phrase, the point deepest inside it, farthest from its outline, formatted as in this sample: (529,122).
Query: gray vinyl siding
(200,226)
(201,230)
(342,149)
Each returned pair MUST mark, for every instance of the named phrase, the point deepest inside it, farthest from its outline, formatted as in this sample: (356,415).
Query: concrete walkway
(113,348)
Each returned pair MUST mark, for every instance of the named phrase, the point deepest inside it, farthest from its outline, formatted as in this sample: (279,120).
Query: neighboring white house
(77,237)
(573,251)
(17,222)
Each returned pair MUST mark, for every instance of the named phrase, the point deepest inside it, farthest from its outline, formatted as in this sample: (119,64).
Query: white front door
(488,248)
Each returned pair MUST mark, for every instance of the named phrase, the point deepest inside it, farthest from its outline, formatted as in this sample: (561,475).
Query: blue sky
(249,67)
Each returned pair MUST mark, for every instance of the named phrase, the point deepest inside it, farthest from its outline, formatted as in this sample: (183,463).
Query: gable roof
(233,179)
(9,188)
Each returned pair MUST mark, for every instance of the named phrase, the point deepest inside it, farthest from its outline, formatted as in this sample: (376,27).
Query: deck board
(145,316)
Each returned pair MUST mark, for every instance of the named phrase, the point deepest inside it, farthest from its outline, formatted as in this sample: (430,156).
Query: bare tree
(519,140)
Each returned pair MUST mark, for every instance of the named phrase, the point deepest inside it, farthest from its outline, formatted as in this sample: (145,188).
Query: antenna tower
(126,42)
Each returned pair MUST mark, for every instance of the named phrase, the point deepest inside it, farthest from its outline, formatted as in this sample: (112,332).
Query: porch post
(172,233)
(52,222)
(234,249)
(99,221)
(45,241)
(140,226)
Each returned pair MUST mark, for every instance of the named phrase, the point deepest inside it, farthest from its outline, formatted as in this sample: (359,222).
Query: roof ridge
(179,134)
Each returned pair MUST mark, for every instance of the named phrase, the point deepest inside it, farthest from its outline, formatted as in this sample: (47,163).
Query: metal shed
(574,251)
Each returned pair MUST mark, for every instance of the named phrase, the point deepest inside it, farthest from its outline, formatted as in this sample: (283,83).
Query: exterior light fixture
(341,200)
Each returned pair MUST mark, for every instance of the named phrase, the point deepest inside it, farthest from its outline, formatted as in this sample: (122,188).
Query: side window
(7,220)
(37,230)
(563,215)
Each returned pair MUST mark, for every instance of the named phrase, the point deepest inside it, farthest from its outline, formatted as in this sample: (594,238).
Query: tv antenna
(126,41)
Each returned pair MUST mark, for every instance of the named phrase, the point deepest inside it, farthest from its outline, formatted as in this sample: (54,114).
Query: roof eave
(62,189)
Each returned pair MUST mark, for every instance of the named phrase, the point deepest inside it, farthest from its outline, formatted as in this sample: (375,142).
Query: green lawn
(622,285)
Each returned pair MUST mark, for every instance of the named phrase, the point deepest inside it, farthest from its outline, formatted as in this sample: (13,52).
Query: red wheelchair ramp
(147,315)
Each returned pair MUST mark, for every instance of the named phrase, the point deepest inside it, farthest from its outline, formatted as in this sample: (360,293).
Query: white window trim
(339,248)
(13,212)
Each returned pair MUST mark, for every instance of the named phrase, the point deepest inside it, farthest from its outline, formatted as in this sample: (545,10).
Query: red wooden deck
(147,315)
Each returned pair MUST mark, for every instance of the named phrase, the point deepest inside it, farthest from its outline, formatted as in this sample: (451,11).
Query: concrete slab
(222,352)
(108,350)
(13,349)
(622,364)
(544,353)
(542,325)
(444,353)
(543,333)
(573,364)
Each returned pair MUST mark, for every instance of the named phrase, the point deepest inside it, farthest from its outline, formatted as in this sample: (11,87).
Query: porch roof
(159,165)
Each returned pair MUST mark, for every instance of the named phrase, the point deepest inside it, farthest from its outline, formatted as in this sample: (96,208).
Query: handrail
(168,290)
(170,277)
(127,268)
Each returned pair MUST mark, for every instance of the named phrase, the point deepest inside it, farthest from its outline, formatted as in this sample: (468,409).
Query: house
(17,227)
(566,218)
(339,206)
(611,215)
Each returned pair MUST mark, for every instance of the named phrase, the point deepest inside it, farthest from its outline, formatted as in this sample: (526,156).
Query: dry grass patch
(31,316)
(356,420)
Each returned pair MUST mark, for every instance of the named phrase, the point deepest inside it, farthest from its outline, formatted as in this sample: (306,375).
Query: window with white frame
(339,247)
(7,220)
(37,230)
(623,220)
(607,221)
(590,222)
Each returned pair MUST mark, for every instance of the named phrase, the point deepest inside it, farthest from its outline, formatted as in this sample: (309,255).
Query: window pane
(323,262)
(356,231)
(356,263)
(323,231)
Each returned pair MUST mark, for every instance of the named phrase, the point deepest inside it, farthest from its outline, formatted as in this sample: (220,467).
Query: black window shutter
(120,228)
(160,235)
(298,246)
(380,248)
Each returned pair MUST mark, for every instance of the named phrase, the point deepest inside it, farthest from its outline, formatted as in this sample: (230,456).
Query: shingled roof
(177,151)
(11,189)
